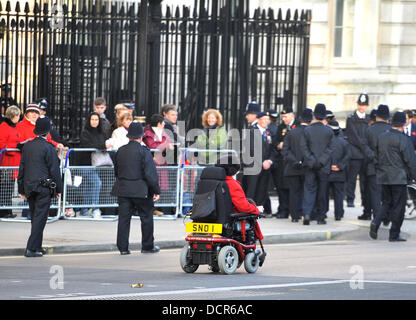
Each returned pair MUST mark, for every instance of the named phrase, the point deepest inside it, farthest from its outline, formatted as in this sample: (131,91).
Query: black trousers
(295,195)
(315,193)
(39,204)
(338,192)
(373,194)
(256,187)
(145,210)
(282,188)
(394,199)
(357,167)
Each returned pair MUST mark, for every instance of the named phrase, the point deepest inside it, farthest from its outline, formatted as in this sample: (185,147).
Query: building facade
(359,46)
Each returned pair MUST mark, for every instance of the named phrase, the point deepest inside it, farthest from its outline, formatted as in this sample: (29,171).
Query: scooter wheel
(251,262)
(185,263)
(228,260)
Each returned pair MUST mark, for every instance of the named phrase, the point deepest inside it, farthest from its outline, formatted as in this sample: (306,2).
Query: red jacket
(9,138)
(238,197)
(151,140)
(240,202)
(25,128)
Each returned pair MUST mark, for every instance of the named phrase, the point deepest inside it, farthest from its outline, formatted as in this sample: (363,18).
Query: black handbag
(204,208)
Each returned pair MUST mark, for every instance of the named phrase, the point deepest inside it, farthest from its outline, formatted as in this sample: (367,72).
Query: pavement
(70,236)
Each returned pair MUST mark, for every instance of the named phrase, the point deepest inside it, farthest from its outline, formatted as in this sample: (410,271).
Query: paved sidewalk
(66,236)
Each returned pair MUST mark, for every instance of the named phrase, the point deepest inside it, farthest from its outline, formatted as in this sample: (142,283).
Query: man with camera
(39,180)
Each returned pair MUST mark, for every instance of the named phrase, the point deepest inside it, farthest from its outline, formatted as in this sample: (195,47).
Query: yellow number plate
(204,227)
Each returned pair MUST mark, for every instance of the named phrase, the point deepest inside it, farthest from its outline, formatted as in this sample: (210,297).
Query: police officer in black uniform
(396,167)
(294,171)
(380,126)
(38,181)
(289,122)
(317,148)
(340,158)
(6,100)
(137,185)
(356,127)
(44,106)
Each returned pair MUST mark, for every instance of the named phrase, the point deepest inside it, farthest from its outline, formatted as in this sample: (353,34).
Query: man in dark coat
(39,179)
(380,126)
(396,167)
(294,171)
(249,181)
(317,148)
(339,161)
(357,124)
(289,122)
(136,185)
(257,188)
(6,100)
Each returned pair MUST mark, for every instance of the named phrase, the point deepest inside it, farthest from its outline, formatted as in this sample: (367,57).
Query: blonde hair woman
(118,137)
(214,136)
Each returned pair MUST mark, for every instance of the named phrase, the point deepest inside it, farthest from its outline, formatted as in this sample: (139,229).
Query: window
(344,29)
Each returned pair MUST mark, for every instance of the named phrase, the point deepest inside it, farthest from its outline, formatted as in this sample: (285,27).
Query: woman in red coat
(240,202)
(9,138)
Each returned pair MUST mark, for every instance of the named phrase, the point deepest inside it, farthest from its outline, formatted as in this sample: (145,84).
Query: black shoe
(350,204)
(266,215)
(364,217)
(386,222)
(126,252)
(153,250)
(281,216)
(373,231)
(306,221)
(321,222)
(295,220)
(33,254)
(9,215)
(43,251)
(398,239)
(337,218)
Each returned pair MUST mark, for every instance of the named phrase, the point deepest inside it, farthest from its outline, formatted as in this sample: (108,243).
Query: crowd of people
(308,159)
(311,159)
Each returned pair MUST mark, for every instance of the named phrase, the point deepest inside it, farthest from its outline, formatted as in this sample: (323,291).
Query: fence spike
(168,15)
(280,15)
(94,10)
(122,11)
(113,10)
(288,15)
(8,6)
(177,12)
(270,14)
(131,10)
(186,12)
(256,13)
(296,15)
(84,11)
(36,8)
(27,9)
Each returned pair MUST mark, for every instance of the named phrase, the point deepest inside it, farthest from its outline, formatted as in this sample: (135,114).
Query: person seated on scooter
(241,203)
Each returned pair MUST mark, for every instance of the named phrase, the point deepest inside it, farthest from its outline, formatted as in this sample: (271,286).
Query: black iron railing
(218,54)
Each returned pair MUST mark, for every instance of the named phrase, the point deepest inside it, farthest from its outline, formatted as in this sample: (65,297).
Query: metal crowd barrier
(190,175)
(89,187)
(9,196)
(83,185)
